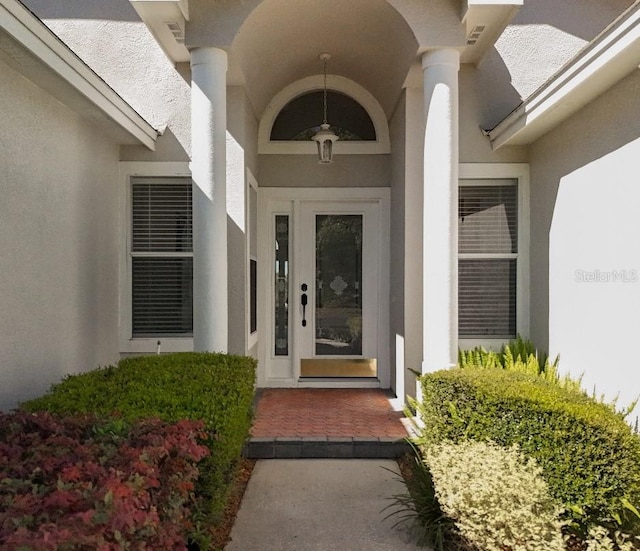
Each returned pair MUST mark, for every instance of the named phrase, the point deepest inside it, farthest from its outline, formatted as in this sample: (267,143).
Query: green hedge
(589,455)
(215,388)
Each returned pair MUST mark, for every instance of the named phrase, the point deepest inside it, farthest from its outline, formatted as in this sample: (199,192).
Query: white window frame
(519,172)
(252,183)
(129,344)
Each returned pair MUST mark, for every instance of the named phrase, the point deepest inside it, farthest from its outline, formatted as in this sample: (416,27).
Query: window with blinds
(488,257)
(162,257)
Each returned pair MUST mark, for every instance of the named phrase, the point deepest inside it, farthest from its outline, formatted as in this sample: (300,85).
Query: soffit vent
(176,30)
(474,35)
(166,19)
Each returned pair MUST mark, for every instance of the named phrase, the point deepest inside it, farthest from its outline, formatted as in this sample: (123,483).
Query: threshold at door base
(338,382)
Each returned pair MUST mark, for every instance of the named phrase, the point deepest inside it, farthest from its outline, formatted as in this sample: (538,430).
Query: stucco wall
(474,145)
(241,147)
(585,201)
(543,36)
(58,242)
(305,171)
(396,295)
(413,214)
(112,40)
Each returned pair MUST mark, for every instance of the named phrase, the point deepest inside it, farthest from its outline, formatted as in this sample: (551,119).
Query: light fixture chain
(324,114)
(324,137)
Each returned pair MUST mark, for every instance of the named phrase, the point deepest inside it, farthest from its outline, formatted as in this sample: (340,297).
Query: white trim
(519,172)
(29,31)
(324,383)
(252,183)
(283,201)
(268,208)
(129,345)
(348,383)
(310,84)
(608,58)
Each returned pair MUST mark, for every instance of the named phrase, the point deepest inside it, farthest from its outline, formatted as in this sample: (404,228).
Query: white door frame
(284,371)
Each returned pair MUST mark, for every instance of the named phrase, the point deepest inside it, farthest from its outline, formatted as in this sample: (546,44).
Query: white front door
(326,295)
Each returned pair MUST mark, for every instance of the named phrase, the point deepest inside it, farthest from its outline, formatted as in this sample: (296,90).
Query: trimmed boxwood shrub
(215,388)
(589,455)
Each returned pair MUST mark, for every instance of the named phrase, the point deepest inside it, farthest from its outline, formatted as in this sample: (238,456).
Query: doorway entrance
(324,274)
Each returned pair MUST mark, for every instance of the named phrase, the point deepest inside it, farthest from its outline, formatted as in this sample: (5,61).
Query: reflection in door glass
(338,313)
(281,281)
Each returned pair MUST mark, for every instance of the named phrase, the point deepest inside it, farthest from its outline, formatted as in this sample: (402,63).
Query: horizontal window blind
(487,265)
(488,219)
(162,257)
(162,220)
(162,296)
(487,298)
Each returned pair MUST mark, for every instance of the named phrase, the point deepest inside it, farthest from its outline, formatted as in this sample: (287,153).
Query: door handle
(303,302)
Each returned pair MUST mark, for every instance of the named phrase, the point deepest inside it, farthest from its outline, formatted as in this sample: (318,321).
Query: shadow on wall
(565,17)
(167,147)
(26,385)
(498,97)
(543,36)
(583,146)
(594,272)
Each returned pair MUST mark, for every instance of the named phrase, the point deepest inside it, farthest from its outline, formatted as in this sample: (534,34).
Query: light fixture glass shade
(325,138)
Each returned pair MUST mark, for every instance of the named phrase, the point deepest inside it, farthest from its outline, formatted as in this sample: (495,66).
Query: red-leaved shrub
(82,483)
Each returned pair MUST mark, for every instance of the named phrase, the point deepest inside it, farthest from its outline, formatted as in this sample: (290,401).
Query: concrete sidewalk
(320,505)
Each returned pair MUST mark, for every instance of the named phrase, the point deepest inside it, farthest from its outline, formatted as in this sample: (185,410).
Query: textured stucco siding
(585,256)
(397,220)
(542,37)
(474,145)
(58,242)
(304,171)
(241,147)
(111,39)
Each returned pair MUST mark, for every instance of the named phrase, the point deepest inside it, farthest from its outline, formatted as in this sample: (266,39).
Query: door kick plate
(338,367)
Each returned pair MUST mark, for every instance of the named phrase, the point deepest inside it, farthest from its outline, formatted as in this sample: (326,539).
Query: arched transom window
(300,119)
(294,115)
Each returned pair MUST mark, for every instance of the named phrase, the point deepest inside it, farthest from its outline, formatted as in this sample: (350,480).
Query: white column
(208,168)
(440,227)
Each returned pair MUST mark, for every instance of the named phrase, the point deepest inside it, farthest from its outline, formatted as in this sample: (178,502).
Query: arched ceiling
(274,43)
(279,43)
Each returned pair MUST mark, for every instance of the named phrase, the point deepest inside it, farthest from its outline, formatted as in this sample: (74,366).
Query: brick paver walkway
(326,412)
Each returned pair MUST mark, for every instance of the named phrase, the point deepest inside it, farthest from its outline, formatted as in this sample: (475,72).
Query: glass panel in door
(281,291)
(338,285)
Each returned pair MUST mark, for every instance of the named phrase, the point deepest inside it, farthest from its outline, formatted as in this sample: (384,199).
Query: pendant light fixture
(324,137)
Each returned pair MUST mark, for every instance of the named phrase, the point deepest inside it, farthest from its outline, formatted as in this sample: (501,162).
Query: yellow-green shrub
(589,456)
(497,498)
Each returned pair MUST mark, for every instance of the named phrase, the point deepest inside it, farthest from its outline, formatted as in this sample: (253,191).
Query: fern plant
(518,355)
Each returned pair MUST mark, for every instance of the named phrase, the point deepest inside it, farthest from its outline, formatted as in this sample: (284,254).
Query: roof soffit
(166,20)
(483,22)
